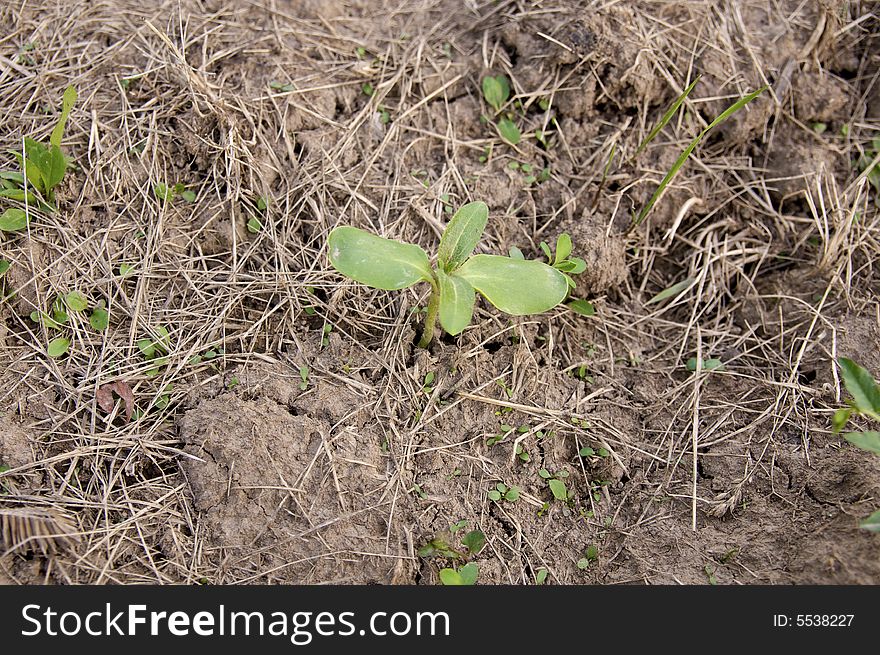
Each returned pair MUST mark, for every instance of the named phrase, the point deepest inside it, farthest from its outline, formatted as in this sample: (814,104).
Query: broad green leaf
(12,176)
(474,541)
(672,291)
(100,319)
(869,441)
(4,266)
(581,307)
(13,219)
(862,386)
(76,301)
(57,347)
(509,131)
(469,573)
(516,287)
(563,247)
(462,235)
(377,262)
(515,253)
(456,302)
(872,523)
(20,195)
(56,165)
(451,578)
(557,487)
(496,90)
(66,105)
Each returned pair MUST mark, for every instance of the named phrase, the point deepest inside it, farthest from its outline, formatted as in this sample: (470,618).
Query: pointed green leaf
(840,419)
(872,523)
(377,262)
(66,105)
(674,290)
(862,386)
(13,219)
(474,541)
(869,441)
(509,131)
(516,287)
(493,92)
(57,347)
(456,302)
(56,166)
(4,266)
(581,307)
(462,235)
(76,301)
(563,247)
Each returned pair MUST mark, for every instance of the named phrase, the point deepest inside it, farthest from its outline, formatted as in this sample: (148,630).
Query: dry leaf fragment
(104,396)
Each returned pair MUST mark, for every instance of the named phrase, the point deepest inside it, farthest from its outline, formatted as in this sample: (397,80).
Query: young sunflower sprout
(515,286)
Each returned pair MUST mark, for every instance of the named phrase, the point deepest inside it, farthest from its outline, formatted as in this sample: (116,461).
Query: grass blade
(667,116)
(723,116)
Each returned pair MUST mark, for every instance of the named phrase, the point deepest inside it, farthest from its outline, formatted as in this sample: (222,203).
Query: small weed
(705,364)
(502,491)
(427,382)
(541,576)
(591,554)
(43,167)
(168,193)
(466,575)
(58,347)
(304,378)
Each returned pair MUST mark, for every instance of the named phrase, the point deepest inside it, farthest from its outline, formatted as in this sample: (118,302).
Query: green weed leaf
(672,291)
(67,103)
(469,573)
(509,131)
(862,386)
(872,523)
(496,90)
(4,266)
(516,287)
(13,219)
(557,488)
(76,301)
(377,262)
(869,441)
(456,302)
(57,347)
(462,235)
(563,247)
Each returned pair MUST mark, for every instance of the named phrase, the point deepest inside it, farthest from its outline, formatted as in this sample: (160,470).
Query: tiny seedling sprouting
(515,286)
(501,490)
(865,402)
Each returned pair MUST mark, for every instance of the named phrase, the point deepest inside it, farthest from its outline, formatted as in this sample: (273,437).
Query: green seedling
(281,86)
(501,435)
(541,576)
(58,347)
(723,116)
(254,225)
(509,131)
(304,378)
(516,287)
(100,317)
(466,575)
(496,91)
(4,266)
(591,554)
(557,486)
(865,402)
(501,490)
(673,291)
(169,193)
(43,166)
(428,381)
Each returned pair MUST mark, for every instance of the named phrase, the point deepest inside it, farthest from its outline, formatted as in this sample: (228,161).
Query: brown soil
(290,435)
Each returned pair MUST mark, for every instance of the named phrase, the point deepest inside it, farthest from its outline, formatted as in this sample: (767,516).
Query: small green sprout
(58,347)
(591,554)
(42,166)
(304,378)
(496,91)
(501,490)
(705,364)
(509,131)
(466,575)
(4,266)
(516,287)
